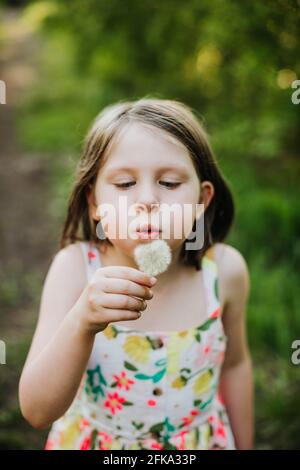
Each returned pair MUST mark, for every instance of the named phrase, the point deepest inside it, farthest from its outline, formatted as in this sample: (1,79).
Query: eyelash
(124,185)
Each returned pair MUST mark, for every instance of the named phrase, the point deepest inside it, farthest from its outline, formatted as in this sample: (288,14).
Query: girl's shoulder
(232,268)
(68,264)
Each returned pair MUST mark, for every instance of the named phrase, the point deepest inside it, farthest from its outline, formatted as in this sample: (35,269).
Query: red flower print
(220,398)
(150,443)
(49,444)
(156,445)
(151,403)
(216,313)
(211,419)
(205,349)
(105,441)
(181,436)
(220,431)
(220,434)
(219,358)
(189,419)
(84,423)
(114,402)
(86,444)
(123,381)
(91,255)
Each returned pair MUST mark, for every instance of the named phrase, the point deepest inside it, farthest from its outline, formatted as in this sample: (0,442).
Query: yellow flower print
(191,440)
(204,436)
(138,348)
(176,344)
(134,446)
(179,382)
(70,433)
(202,383)
(116,444)
(110,332)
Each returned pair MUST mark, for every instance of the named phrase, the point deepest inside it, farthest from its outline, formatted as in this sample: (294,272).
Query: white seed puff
(153,258)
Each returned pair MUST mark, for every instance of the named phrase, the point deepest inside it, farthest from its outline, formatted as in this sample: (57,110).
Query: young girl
(105,371)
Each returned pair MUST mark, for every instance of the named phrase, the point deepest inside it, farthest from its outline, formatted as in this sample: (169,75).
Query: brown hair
(176,119)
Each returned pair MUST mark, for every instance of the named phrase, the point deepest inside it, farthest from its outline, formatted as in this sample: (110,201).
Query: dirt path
(26,244)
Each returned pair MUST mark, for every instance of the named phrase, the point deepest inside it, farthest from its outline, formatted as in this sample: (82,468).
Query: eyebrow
(178,168)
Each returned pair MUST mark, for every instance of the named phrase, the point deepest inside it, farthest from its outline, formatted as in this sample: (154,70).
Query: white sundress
(151,389)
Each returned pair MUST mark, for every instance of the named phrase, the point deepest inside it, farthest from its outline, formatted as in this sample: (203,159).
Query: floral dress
(151,389)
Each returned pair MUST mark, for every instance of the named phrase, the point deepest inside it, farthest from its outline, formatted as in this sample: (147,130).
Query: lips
(148,228)
(148,232)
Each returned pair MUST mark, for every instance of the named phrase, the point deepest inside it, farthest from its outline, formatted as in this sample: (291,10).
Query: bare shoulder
(64,283)
(233,271)
(68,266)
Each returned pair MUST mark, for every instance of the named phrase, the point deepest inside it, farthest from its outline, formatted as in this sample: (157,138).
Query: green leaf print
(127,403)
(216,288)
(93,439)
(161,362)
(204,405)
(94,381)
(129,366)
(168,446)
(197,402)
(138,425)
(168,425)
(186,369)
(155,378)
(142,376)
(157,428)
(198,337)
(207,324)
(159,375)
(197,435)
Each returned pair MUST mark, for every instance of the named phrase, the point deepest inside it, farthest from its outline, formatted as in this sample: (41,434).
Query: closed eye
(167,184)
(124,185)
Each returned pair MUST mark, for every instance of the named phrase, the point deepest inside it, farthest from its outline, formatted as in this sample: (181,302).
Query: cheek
(185,216)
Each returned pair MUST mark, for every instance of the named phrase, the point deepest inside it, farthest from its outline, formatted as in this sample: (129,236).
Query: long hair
(179,121)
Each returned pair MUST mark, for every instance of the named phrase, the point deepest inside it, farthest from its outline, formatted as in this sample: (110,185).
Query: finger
(116,315)
(120,301)
(126,272)
(122,286)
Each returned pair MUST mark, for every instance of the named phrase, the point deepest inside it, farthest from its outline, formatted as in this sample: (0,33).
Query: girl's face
(148,177)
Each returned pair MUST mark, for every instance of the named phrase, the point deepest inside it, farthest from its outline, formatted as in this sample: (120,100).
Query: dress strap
(91,258)
(211,282)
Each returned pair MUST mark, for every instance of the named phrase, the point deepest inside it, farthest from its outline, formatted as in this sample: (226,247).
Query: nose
(147,198)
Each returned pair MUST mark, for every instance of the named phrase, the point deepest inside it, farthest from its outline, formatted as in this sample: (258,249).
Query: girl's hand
(115,293)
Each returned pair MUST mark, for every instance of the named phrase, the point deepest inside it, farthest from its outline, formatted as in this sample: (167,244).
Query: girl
(105,373)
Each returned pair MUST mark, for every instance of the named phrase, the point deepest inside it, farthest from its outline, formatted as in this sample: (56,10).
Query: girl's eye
(124,185)
(169,184)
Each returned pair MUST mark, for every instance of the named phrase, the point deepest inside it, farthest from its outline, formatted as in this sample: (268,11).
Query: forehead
(140,145)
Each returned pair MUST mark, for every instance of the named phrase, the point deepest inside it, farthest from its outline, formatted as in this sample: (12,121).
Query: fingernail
(153,280)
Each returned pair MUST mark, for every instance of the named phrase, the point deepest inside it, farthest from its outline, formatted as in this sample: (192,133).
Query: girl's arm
(236,382)
(59,350)
(72,312)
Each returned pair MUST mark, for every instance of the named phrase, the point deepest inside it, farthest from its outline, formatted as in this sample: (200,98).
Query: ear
(90,196)
(207,192)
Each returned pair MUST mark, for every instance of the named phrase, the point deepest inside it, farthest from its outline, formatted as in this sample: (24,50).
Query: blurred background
(234,63)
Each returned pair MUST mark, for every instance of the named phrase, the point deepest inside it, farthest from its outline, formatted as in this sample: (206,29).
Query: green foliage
(233,63)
